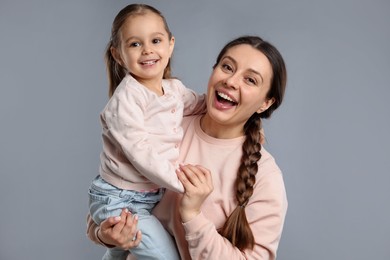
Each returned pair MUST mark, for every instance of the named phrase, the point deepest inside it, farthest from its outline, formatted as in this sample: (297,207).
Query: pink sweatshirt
(142,133)
(266,210)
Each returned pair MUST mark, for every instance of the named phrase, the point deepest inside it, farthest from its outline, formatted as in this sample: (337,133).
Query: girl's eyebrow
(136,38)
(250,70)
(131,38)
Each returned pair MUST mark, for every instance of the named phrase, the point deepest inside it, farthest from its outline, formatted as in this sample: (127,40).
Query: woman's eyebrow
(257,73)
(250,70)
(230,58)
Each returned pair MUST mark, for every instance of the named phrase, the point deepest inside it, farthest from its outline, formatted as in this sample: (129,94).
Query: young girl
(141,128)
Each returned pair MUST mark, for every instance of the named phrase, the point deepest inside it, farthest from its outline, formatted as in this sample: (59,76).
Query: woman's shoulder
(267,164)
(269,179)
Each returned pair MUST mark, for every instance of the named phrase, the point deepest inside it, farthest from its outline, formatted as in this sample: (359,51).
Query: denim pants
(106,200)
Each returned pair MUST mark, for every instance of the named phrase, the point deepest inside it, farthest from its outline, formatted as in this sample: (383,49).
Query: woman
(236,209)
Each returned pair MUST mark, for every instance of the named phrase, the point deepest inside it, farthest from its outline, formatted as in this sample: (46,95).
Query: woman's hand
(120,231)
(198,185)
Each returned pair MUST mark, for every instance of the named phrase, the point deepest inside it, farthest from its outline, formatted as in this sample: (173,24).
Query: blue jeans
(106,200)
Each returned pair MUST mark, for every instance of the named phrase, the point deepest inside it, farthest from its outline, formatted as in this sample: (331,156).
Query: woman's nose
(232,81)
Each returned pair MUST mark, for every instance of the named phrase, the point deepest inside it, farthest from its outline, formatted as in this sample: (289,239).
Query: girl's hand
(120,231)
(198,185)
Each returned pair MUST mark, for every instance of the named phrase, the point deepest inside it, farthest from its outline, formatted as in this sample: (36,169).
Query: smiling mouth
(148,62)
(223,98)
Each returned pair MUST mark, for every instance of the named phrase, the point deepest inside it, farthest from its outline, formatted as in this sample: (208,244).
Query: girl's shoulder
(174,83)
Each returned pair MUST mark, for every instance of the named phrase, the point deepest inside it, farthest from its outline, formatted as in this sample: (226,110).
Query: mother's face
(238,86)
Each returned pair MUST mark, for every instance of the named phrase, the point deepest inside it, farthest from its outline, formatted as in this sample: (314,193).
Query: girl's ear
(116,55)
(266,104)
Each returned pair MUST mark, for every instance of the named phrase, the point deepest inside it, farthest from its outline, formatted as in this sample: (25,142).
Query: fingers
(119,225)
(196,173)
(109,223)
(195,177)
(207,176)
(138,239)
(192,174)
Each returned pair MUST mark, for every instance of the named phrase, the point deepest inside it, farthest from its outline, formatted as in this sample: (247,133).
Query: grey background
(330,137)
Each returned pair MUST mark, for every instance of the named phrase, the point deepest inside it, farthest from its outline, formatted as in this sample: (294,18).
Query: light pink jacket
(142,132)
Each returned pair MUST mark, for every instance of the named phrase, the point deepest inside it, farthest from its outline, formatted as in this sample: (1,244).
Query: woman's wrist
(98,236)
(187,215)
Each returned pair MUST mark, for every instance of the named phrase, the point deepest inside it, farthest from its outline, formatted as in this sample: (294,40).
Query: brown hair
(115,71)
(236,228)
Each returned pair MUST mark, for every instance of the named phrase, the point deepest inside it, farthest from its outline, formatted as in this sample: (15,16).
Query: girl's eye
(135,44)
(156,41)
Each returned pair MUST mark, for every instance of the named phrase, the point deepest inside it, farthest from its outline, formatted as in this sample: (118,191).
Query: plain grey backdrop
(330,136)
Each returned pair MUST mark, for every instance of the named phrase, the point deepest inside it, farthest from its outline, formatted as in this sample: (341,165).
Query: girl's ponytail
(115,72)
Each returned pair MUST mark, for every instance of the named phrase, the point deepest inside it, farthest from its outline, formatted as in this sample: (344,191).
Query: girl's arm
(194,104)
(124,119)
(265,213)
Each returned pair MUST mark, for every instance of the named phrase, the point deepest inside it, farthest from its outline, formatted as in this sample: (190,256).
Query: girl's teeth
(148,62)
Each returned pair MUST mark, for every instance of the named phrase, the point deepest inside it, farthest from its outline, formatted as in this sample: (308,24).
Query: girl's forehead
(142,22)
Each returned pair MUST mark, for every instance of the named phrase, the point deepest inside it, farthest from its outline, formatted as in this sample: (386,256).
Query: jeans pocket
(102,206)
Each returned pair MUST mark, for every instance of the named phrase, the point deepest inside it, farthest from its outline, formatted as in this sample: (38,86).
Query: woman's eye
(251,81)
(227,67)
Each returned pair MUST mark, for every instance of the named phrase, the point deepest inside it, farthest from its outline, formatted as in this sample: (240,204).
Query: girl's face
(237,88)
(145,48)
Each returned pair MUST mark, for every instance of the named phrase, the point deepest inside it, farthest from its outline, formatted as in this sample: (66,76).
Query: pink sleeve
(125,119)
(265,213)
(194,104)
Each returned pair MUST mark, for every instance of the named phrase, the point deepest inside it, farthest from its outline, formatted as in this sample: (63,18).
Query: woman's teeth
(226,97)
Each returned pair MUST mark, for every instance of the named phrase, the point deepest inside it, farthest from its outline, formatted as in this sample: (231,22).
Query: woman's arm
(117,231)
(198,185)
(265,213)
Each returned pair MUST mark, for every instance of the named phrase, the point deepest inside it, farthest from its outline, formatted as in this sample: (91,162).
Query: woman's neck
(218,130)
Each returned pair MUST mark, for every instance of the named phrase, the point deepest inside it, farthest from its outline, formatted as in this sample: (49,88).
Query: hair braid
(236,228)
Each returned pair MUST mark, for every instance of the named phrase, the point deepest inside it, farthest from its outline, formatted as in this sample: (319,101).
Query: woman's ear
(266,104)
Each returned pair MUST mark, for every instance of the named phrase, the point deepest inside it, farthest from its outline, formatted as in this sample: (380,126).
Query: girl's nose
(147,49)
